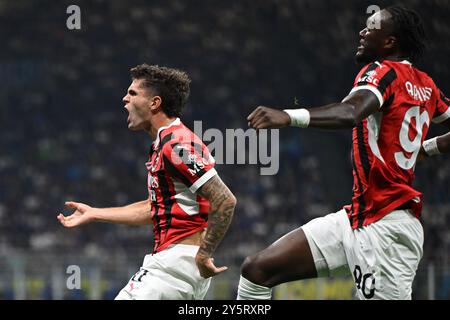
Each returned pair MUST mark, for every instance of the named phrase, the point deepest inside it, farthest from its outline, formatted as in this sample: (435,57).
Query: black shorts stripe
(168,203)
(386,81)
(361,201)
(363,156)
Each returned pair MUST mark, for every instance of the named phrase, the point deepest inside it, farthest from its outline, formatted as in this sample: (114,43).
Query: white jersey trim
(442,117)
(370,88)
(373,129)
(186,199)
(203,179)
(175,122)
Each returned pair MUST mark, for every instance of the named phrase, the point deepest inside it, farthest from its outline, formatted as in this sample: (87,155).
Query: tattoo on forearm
(222,205)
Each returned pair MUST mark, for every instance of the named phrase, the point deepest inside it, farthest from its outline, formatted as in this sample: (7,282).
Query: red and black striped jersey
(179,164)
(386,144)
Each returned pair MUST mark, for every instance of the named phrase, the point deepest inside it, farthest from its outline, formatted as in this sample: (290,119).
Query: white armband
(430,146)
(299,117)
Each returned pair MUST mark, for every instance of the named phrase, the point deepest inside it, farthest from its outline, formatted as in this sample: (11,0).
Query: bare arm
(137,213)
(442,143)
(344,115)
(222,204)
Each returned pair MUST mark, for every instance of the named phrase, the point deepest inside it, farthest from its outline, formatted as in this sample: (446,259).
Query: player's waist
(192,239)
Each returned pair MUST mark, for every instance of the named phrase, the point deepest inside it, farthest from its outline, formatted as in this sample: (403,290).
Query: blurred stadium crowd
(64,134)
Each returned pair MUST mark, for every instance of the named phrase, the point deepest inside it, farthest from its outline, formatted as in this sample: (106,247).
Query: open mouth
(361,44)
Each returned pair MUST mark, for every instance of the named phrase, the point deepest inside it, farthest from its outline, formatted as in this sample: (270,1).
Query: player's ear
(390,42)
(155,103)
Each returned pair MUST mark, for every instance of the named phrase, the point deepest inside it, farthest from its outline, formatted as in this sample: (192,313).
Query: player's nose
(363,32)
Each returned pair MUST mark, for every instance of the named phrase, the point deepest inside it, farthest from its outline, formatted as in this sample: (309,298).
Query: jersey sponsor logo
(196,168)
(418,93)
(369,77)
(184,154)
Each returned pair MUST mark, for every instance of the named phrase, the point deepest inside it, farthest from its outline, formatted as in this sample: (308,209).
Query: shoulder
(376,71)
(174,135)
(181,140)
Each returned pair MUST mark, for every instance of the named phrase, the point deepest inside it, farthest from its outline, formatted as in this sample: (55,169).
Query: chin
(361,58)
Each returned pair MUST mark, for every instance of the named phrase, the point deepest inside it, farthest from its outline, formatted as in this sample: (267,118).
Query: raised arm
(222,204)
(344,115)
(137,213)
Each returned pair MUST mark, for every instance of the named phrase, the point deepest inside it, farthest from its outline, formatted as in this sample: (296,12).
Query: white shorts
(171,274)
(382,257)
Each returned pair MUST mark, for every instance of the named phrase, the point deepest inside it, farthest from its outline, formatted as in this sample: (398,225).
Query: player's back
(387,143)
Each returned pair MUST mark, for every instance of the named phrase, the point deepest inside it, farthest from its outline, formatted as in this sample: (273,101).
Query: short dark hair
(172,85)
(409,30)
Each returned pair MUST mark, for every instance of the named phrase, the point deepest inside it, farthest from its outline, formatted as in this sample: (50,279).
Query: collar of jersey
(175,122)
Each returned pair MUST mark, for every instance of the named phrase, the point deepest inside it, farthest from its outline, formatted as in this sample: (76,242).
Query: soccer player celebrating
(189,205)
(378,238)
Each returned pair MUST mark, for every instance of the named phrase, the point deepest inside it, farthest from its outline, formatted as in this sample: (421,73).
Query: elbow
(352,118)
(226,206)
(350,122)
(232,200)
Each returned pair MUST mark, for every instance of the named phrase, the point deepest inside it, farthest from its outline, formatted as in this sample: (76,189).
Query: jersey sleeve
(189,162)
(378,78)
(442,112)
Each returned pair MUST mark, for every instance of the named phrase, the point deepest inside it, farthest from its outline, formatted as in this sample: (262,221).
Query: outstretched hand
(206,266)
(268,118)
(81,215)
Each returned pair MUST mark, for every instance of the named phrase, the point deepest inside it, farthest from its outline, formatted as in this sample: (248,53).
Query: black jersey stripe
(361,201)
(168,202)
(157,229)
(369,68)
(175,172)
(188,162)
(166,139)
(389,101)
(386,80)
(363,156)
(198,148)
(350,217)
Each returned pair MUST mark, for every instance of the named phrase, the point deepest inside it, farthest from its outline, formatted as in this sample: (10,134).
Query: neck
(158,121)
(395,57)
